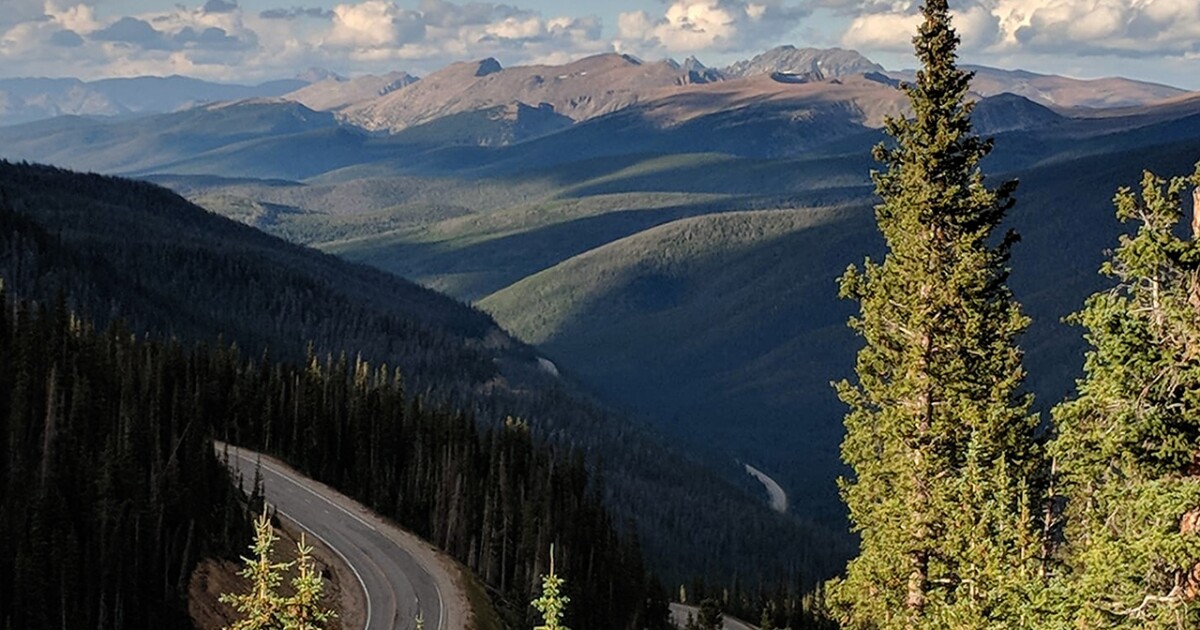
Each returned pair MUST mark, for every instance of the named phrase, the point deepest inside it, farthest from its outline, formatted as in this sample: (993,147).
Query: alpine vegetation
(939,433)
(1128,449)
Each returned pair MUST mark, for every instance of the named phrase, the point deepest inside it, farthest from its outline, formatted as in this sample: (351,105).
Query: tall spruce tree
(939,433)
(1128,448)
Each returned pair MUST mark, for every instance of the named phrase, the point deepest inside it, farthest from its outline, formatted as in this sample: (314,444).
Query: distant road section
(680,612)
(779,501)
(400,574)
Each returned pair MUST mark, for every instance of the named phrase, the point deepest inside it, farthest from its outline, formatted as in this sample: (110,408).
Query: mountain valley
(667,234)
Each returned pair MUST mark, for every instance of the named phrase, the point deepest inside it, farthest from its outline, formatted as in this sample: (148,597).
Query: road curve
(680,612)
(400,574)
(779,501)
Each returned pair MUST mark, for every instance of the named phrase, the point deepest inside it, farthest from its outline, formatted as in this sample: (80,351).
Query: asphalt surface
(680,612)
(396,584)
(779,501)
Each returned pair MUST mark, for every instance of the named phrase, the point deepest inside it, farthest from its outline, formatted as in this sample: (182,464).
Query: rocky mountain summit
(789,60)
(335,92)
(580,90)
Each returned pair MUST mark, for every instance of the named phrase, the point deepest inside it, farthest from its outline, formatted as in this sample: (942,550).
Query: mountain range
(666,233)
(29,99)
(600,106)
(579,90)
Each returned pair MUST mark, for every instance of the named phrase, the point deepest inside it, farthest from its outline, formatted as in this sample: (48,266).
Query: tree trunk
(1196,213)
(918,577)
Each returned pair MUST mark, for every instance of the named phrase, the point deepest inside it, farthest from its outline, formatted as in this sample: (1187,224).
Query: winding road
(779,501)
(401,575)
(680,612)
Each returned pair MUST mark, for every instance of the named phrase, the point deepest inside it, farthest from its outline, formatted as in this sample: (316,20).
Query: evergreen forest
(136,328)
(113,490)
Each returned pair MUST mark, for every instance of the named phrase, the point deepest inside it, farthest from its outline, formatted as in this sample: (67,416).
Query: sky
(248,41)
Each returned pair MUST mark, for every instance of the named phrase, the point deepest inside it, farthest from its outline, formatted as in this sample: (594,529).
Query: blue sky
(252,40)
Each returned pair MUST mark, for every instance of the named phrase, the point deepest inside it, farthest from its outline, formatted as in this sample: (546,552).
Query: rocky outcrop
(826,63)
(488,66)
(580,90)
(334,93)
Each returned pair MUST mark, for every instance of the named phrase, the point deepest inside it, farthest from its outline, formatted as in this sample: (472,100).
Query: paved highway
(680,612)
(398,572)
(779,501)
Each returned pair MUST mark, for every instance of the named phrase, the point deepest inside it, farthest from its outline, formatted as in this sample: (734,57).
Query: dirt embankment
(215,577)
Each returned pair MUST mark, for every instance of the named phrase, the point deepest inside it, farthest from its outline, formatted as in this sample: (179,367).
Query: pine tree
(767,621)
(710,617)
(552,603)
(259,607)
(263,608)
(1128,448)
(939,433)
(303,611)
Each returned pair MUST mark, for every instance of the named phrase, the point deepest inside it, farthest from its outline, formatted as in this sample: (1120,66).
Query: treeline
(495,499)
(109,488)
(796,605)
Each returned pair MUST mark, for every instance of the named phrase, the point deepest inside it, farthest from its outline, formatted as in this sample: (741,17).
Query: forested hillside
(111,491)
(134,251)
(494,499)
(122,249)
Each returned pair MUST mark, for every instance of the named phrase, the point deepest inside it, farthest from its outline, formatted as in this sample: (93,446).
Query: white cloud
(891,28)
(220,39)
(70,40)
(17,12)
(691,26)
(1144,27)
(229,40)
(978,27)
(375,24)
(78,17)
(1074,27)
(882,31)
(530,27)
(376,31)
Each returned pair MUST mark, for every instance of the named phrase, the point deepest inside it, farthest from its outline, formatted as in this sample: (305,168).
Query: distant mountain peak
(1063,92)
(337,92)
(1009,112)
(488,66)
(826,62)
(315,74)
(695,72)
(395,81)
